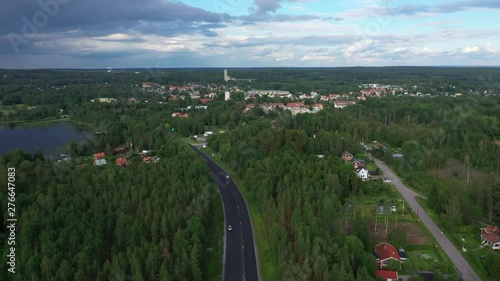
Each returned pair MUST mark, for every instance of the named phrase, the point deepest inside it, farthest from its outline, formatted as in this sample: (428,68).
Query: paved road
(409,195)
(239,262)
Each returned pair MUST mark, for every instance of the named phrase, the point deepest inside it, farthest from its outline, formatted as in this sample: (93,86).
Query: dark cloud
(99,14)
(106,55)
(264,6)
(252,18)
(452,7)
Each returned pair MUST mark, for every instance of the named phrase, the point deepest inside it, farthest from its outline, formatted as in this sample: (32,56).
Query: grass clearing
(190,140)
(419,239)
(470,242)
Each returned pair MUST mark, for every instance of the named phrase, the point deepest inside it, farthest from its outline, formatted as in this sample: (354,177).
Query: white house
(363,174)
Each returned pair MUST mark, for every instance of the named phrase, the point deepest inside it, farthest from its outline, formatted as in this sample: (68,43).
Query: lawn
(470,241)
(191,140)
(419,240)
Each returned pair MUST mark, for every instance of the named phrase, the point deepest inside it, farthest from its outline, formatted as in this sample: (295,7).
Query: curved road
(462,266)
(239,261)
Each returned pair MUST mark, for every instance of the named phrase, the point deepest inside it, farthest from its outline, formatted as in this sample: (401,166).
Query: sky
(248,33)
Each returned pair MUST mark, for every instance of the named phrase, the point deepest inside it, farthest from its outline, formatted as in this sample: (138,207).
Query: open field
(403,230)
(463,238)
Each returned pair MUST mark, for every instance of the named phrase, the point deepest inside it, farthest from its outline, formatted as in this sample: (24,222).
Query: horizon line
(254,67)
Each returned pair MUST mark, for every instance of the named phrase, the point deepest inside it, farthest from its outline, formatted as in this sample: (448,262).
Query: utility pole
(387,211)
(396,222)
(403,210)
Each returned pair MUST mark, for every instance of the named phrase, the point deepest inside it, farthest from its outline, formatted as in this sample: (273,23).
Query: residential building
(334,96)
(99,155)
(342,104)
(205,100)
(99,162)
(152,86)
(490,236)
(104,100)
(180,115)
(248,107)
(387,275)
(121,162)
(358,164)
(385,252)
(363,174)
(271,93)
(347,156)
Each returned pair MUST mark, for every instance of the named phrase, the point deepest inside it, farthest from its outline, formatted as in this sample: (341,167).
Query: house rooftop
(100,162)
(386,251)
(121,161)
(99,155)
(387,274)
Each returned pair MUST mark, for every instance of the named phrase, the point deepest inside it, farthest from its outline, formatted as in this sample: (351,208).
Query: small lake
(51,139)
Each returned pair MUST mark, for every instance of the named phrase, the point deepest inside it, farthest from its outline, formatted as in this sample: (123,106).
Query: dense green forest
(308,196)
(145,222)
(66,88)
(303,200)
(149,222)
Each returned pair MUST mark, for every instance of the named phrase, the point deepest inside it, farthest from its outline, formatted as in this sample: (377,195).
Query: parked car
(229,228)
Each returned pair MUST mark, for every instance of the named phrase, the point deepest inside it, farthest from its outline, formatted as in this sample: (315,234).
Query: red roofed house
(249,107)
(121,162)
(295,105)
(342,104)
(490,235)
(99,155)
(334,96)
(386,252)
(205,101)
(120,150)
(387,275)
(180,115)
(148,159)
(347,156)
(99,159)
